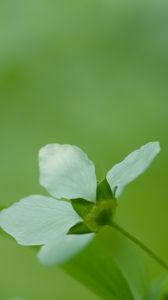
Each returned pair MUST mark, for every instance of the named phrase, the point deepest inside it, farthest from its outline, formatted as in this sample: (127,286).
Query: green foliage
(157,289)
(109,269)
(100,273)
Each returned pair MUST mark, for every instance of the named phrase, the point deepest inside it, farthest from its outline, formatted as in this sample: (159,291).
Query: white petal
(131,167)
(66,172)
(36,220)
(63,248)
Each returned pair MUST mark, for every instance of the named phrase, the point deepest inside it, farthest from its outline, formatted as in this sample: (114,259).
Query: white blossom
(66,173)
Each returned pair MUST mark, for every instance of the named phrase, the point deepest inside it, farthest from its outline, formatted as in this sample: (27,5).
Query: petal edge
(62,249)
(66,172)
(131,167)
(36,220)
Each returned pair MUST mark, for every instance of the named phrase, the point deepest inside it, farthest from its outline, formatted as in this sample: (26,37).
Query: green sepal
(104,191)
(79,228)
(82,207)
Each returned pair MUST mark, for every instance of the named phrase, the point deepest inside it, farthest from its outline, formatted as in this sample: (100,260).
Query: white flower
(67,173)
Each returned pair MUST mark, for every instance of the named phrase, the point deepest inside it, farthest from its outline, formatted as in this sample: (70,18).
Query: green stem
(141,245)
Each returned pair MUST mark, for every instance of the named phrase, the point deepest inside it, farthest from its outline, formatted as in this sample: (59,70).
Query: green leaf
(104,191)
(106,271)
(130,260)
(157,288)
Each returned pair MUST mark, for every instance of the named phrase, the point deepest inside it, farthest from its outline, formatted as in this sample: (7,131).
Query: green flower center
(95,215)
(100,215)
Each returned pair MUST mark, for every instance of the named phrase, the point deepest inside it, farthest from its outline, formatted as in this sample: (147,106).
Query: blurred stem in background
(141,245)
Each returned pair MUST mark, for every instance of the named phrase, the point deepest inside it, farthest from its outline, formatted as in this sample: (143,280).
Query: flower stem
(141,245)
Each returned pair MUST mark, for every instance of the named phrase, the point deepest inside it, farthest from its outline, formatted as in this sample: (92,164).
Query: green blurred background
(91,73)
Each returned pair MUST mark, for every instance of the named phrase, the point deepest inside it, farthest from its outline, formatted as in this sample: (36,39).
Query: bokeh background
(91,73)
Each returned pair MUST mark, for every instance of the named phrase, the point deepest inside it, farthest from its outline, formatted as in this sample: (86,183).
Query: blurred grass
(90,73)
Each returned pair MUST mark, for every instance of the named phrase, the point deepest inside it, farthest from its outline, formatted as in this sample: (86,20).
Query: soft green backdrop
(91,73)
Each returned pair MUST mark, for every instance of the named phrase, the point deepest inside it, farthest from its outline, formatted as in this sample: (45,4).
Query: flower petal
(131,167)
(63,248)
(36,220)
(66,172)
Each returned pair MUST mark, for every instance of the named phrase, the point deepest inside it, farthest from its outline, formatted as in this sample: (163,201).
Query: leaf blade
(97,270)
